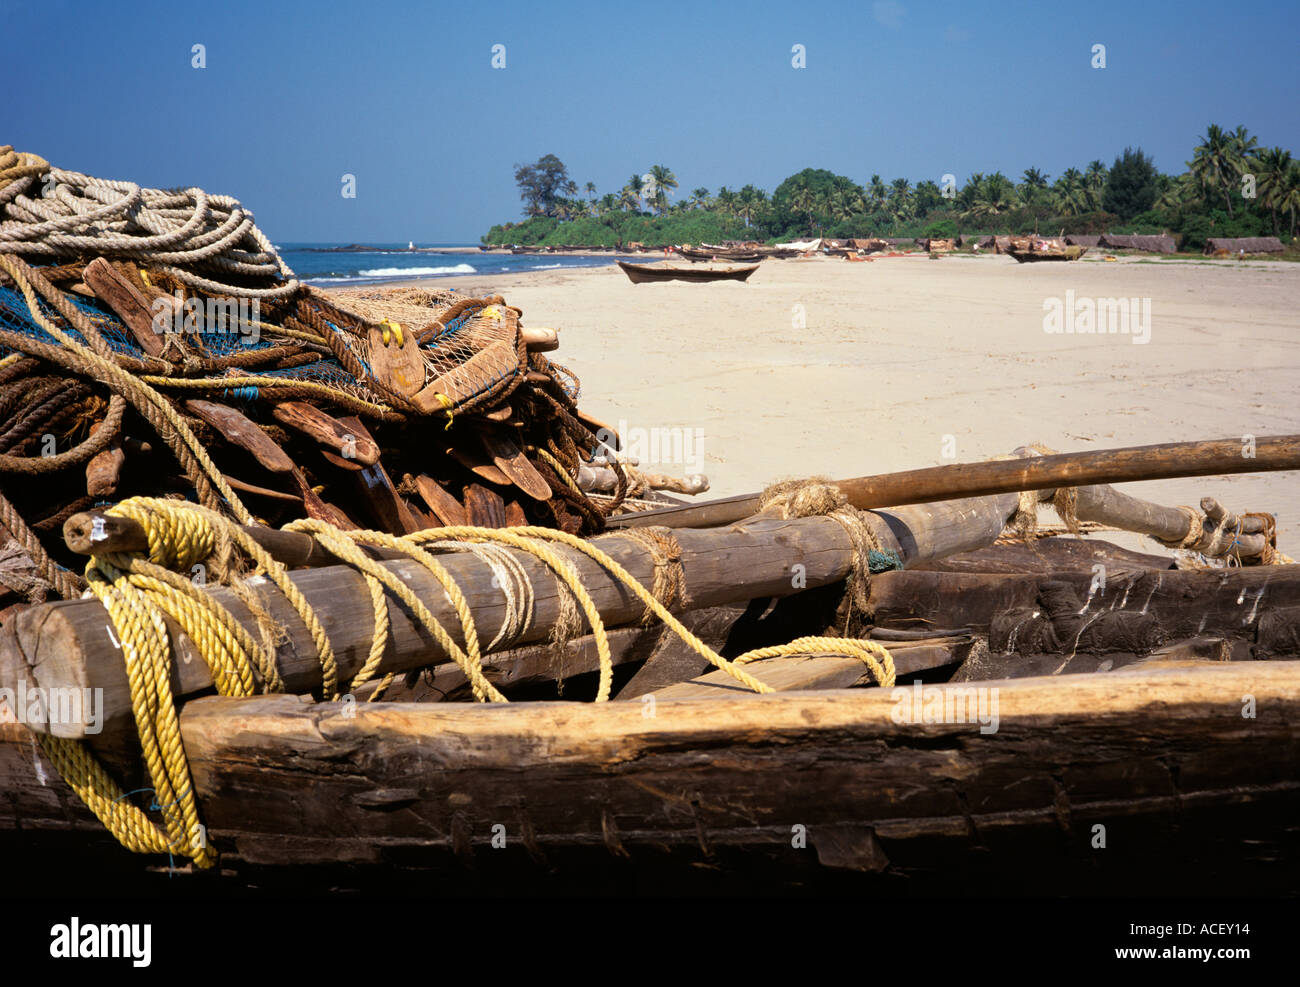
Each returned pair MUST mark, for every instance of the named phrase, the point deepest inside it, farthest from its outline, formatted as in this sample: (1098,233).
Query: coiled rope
(141,591)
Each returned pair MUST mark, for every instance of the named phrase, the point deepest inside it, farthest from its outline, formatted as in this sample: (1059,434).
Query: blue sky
(404,97)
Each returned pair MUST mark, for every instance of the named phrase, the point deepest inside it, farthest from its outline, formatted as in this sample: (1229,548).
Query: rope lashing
(818,497)
(141,592)
(666,552)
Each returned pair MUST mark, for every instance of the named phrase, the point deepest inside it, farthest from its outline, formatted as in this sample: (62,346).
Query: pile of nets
(153,342)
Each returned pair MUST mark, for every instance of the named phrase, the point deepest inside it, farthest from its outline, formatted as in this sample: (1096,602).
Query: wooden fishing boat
(1034,706)
(643,273)
(1029,249)
(736,256)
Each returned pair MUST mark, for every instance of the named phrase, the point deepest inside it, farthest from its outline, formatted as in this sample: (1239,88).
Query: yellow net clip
(447,405)
(394,334)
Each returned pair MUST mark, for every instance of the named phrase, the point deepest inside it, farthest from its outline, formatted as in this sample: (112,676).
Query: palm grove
(1232,187)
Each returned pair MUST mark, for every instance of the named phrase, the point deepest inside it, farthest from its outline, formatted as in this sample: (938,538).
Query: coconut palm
(1271,168)
(630,194)
(876,193)
(1071,196)
(901,203)
(1217,162)
(1094,183)
(726,201)
(1288,197)
(608,203)
(1176,192)
(748,200)
(804,200)
(664,183)
(699,199)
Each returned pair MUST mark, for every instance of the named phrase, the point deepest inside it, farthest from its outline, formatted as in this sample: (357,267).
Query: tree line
(1233,186)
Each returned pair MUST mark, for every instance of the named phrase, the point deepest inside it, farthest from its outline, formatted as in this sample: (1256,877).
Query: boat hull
(644,274)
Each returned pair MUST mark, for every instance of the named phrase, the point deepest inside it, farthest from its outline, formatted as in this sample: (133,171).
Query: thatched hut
(1244,245)
(1082,240)
(1148,244)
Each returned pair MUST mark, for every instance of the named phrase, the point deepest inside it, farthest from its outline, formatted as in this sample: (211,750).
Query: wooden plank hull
(1162,758)
(643,274)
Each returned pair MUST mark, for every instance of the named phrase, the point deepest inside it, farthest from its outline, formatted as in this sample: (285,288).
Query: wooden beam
(282,782)
(937,483)
(69,644)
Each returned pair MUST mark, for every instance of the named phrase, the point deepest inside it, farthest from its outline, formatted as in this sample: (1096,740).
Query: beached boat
(989,702)
(720,254)
(643,273)
(1038,250)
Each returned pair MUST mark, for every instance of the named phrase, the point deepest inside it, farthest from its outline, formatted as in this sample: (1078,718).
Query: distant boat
(1031,249)
(410,245)
(721,253)
(641,273)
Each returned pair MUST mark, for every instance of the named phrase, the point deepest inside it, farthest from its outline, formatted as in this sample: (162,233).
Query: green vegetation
(1232,187)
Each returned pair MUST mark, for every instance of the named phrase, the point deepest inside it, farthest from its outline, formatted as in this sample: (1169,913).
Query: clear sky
(403,95)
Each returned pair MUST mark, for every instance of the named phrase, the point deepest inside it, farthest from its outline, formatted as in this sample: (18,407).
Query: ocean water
(315,264)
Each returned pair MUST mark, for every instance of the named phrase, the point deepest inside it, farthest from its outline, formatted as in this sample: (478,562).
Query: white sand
(900,353)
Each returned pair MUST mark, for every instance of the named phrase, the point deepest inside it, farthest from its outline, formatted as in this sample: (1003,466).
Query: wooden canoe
(736,256)
(642,274)
(1029,255)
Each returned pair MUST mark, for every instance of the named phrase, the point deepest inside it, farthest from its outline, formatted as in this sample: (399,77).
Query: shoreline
(830,368)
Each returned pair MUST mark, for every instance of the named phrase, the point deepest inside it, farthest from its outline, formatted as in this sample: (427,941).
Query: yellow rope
(141,591)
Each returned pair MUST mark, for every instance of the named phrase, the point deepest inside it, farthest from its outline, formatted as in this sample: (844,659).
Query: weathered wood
(494,361)
(104,471)
(448,509)
(245,487)
(69,643)
(485,507)
(331,433)
(126,301)
(822,671)
(399,366)
(1155,462)
(1098,612)
(282,782)
(376,489)
(510,460)
(243,432)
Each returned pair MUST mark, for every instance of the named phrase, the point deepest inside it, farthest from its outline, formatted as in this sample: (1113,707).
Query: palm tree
(1271,168)
(1176,193)
(726,201)
(900,198)
(1217,162)
(608,203)
(699,198)
(1071,196)
(804,200)
(1094,183)
(630,195)
(876,193)
(994,195)
(664,181)
(748,199)
(1288,199)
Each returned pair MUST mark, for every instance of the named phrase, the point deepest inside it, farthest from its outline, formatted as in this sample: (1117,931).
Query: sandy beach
(826,367)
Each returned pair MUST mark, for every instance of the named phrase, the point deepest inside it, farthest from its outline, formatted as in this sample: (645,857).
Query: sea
(374,263)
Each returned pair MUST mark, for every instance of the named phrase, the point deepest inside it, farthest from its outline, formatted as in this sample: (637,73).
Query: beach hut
(1244,244)
(1148,244)
(1082,240)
